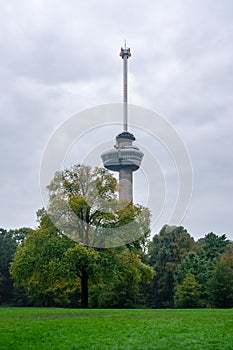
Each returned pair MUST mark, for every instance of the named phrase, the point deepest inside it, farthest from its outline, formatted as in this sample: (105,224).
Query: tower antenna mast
(125,54)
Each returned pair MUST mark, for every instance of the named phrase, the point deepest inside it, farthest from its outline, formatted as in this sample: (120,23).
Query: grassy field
(60,329)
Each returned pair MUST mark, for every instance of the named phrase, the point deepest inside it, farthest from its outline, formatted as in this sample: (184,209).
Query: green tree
(84,205)
(20,234)
(227,256)
(210,249)
(122,273)
(9,240)
(39,267)
(220,286)
(166,251)
(212,245)
(195,264)
(78,198)
(187,292)
(7,250)
(82,200)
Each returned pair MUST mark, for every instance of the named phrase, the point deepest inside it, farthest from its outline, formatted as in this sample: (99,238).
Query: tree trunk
(84,289)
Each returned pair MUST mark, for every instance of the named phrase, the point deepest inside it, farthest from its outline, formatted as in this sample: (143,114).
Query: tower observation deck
(124,158)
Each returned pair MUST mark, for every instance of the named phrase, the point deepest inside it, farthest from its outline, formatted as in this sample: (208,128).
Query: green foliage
(20,234)
(39,268)
(122,271)
(84,205)
(227,256)
(82,262)
(221,283)
(52,268)
(166,251)
(81,257)
(220,286)
(195,264)
(8,244)
(212,245)
(187,293)
(7,250)
(192,263)
(80,201)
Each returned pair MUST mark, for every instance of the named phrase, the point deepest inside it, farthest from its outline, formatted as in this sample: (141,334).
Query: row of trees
(175,271)
(105,258)
(49,269)
(189,273)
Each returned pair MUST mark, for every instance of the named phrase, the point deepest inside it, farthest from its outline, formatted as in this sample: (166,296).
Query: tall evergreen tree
(9,240)
(212,245)
(167,250)
(7,249)
(200,268)
(220,286)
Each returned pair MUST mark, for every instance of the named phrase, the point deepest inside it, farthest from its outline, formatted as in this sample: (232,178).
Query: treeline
(42,267)
(190,273)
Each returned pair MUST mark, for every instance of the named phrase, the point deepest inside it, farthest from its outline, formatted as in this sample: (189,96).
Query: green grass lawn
(60,329)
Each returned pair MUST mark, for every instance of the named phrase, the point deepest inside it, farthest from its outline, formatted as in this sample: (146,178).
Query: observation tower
(124,158)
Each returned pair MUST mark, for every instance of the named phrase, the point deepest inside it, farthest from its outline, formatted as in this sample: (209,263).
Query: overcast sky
(61,57)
